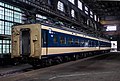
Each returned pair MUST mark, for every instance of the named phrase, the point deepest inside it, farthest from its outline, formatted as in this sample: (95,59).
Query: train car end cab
(26,41)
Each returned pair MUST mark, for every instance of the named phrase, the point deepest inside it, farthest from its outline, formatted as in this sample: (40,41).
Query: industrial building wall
(9,15)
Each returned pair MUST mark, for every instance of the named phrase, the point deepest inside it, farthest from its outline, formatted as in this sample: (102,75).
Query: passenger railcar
(37,43)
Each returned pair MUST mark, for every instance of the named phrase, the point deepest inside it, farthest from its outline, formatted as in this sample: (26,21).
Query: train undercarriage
(50,60)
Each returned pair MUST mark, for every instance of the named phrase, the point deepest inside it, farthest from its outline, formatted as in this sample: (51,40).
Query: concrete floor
(10,68)
(101,68)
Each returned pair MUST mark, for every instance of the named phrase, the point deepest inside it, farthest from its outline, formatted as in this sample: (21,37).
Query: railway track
(12,70)
(25,68)
(15,71)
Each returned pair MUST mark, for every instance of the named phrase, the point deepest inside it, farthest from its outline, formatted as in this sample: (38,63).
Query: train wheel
(57,60)
(73,57)
(66,58)
(34,65)
(42,63)
(49,62)
(82,55)
(46,62)
(60,59)
(77,57)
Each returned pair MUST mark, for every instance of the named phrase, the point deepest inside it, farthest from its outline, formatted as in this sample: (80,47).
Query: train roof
(76,32)
(69,30)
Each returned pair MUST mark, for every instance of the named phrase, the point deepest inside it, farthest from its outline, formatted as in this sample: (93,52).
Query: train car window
(82,43)
(70,41)
(90,43)
(55,39)
(62,40)
(95,44)
(86,43)
(43,38)
(77,41)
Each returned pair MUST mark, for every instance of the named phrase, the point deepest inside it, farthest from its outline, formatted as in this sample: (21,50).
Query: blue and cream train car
(36,42)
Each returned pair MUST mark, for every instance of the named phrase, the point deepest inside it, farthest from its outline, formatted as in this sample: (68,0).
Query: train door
(25,41)
(44,42)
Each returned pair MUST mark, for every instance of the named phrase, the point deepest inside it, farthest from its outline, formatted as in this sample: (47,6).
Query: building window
(72,1)
(95,17)
(9,6)
(60,6)
(17,9)
(18,17)
(72,13)
(1,27)
(6,46)
(8,15)
(111,28)
(91,14)
(79,4)
(8,28)
(39,17)
(98,19)
(86,10)
(1,4)
(1,13)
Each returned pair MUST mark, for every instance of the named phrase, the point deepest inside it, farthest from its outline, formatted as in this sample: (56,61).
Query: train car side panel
(35,38)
